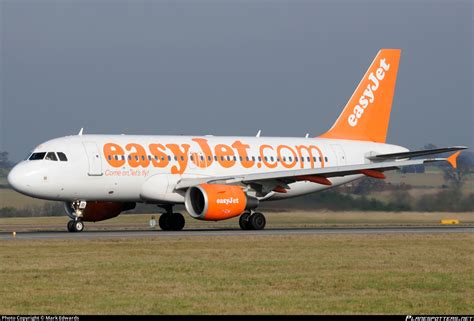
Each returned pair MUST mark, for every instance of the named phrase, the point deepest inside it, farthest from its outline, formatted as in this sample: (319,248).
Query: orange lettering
(181,156)
(283,160)
(242,150)
(113,154)
(268,164)
(310,154)
(206,151)
(139,157)
(160,158)
(225,155)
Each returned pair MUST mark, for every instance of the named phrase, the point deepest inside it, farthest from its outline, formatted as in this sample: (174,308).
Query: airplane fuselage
(117,167)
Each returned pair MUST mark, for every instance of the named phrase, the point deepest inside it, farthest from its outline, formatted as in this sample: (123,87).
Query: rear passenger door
(94,158)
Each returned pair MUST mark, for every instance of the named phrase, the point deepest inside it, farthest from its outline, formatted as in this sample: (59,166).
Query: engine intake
(214,202)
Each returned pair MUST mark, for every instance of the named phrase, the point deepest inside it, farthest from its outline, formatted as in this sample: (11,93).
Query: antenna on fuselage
(259,132)
(80,132)
(307,135)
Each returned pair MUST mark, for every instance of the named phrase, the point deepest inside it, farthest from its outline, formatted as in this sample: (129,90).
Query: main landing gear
(170,221)
(252,221)
(76,224)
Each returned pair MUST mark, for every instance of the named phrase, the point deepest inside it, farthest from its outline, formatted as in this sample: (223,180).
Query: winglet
(453,159)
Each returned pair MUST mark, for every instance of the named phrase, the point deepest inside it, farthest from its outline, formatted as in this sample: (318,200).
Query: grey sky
(228,67)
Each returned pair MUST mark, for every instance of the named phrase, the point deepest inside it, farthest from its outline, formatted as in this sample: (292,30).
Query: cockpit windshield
(52,156)
(62,157)
(37,156)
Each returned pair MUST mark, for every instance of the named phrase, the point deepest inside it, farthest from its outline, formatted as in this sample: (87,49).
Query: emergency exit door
(340,155)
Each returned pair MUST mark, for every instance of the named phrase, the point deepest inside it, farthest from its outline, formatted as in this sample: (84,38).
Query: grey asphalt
(232,232)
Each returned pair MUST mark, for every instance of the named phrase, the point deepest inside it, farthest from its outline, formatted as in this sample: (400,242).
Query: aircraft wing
(318,175)
(415,153)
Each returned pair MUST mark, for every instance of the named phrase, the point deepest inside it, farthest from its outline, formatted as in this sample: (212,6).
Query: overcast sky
(228,67)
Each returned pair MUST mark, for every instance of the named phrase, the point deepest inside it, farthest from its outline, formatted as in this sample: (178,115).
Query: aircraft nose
(17,179)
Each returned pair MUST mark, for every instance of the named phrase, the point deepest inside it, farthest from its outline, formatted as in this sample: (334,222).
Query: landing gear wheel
(70,226)
(78,226)
(164,222)
(177,221)
(244,221)
(171,222)
(257,221)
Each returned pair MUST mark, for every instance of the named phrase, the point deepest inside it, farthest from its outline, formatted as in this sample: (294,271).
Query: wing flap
(294,175)
(418,153)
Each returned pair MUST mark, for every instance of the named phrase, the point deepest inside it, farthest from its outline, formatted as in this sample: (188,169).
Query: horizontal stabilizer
(416,153)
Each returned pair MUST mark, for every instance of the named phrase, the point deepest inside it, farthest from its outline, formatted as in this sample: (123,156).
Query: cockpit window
(51,156)
(37,156)
(62,157)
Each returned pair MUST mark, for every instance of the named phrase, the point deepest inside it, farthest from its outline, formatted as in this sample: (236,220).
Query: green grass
(403,274)
(11,198)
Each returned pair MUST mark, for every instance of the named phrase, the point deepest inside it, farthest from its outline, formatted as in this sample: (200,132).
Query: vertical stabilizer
(367,113)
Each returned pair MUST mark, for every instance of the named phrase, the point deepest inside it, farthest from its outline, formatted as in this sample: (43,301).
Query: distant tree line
(4,161)
(443,201)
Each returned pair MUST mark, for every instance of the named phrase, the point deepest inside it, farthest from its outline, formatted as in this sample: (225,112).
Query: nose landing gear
(252,221)
(76,225)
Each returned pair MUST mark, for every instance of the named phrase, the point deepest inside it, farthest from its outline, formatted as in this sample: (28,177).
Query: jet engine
(100,211)
(214,202)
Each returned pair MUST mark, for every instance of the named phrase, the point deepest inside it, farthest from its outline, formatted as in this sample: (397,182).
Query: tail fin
(367,113)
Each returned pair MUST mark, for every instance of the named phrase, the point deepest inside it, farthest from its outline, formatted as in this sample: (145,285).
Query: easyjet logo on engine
(227,201)
(368,96)
(200,154)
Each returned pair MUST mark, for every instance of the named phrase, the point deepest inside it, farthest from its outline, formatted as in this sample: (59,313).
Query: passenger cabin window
(37,156)
(62,157)
(51,156)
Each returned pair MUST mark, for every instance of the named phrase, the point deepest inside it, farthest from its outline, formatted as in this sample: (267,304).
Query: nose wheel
(75,226)
(252,221)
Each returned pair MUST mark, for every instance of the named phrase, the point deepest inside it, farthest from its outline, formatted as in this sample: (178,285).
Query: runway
(232,232)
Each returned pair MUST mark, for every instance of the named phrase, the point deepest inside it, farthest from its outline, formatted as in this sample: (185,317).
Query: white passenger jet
(217,178)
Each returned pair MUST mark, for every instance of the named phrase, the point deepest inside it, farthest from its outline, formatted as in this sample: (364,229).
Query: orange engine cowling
(213,202)
(100,211)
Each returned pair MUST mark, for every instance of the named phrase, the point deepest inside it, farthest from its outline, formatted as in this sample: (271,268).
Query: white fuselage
(118,167)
